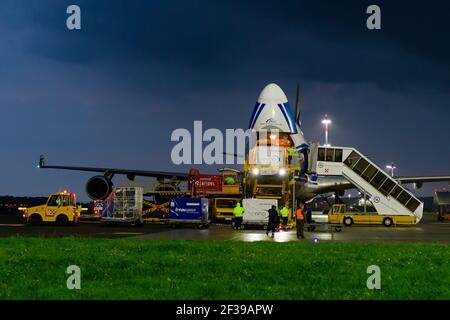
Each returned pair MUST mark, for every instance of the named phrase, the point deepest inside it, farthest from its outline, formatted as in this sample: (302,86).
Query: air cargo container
(124,206)
(189,211)
(257,211)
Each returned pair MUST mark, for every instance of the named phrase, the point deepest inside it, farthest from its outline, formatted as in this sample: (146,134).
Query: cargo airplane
(272,112)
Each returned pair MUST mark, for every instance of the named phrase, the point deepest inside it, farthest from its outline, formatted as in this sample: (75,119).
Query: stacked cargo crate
(127,205)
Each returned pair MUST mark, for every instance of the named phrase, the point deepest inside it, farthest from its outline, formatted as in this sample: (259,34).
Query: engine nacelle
(99,187)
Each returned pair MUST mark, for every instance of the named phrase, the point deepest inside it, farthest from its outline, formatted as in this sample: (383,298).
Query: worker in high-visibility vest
(291,152)
(299,221)
(229,180)
(238,213)
(284,213)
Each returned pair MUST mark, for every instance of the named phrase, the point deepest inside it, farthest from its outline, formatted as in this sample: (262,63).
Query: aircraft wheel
(348,221)
(387,222)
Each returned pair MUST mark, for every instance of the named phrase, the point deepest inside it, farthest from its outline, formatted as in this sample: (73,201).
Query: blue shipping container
(189,210)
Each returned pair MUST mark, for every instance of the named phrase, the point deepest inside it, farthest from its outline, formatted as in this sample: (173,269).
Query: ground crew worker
(229,180)
(291,152)
(272,223)
(284,213)
(309,216)
(238,213)
(299,222)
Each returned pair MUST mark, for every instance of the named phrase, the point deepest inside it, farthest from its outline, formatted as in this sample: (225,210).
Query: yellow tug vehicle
(61,208)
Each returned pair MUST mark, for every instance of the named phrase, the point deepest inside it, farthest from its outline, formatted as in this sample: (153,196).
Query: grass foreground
(34,268)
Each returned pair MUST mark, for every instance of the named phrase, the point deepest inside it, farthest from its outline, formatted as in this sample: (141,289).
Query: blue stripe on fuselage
(252,118)
(258,112)
(286,117)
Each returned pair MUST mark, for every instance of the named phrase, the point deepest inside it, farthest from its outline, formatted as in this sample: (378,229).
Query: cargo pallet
(127,207)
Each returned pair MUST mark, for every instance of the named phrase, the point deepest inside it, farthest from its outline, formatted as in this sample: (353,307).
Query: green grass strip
(34,268)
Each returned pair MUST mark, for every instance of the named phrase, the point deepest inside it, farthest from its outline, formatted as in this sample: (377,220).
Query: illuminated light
(282,172)
(273,136)
(391,167)
(255,171)
(315,240)
(326,122)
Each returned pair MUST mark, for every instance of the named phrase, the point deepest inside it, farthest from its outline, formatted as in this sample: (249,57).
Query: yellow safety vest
(284,212)
(299,214)
(238,212)
(291,151)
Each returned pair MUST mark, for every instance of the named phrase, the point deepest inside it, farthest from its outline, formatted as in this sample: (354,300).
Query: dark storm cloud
(219,36)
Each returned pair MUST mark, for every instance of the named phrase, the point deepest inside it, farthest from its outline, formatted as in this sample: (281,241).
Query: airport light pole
(326,122)
(391,167)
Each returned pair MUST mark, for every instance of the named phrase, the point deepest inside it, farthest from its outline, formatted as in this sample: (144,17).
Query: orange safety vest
(299,214)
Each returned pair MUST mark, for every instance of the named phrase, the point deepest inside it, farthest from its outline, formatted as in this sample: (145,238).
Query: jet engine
(99,187)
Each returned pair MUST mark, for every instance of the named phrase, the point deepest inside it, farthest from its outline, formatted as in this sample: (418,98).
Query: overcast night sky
(112,93)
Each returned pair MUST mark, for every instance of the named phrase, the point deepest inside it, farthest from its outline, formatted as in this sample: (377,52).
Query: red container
(205,182)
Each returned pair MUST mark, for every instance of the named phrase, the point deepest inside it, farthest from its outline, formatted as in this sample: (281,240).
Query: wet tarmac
(428,230)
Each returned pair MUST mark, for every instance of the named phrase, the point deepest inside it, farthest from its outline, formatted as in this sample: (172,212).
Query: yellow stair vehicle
(60,208)
(338,214)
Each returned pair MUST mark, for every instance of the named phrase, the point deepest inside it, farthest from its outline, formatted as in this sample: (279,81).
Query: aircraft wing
(335,188)
(342,184)
(131,174)
(420,180)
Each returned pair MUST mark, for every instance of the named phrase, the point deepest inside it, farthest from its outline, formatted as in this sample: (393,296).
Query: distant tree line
(11,203)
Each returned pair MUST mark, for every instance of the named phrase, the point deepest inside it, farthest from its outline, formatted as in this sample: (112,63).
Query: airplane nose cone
(272,93)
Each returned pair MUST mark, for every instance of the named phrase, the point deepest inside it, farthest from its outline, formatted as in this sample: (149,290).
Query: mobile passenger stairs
(388,196)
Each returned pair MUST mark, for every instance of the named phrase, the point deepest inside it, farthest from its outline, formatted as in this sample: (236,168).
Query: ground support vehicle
(60,208)
(338,213)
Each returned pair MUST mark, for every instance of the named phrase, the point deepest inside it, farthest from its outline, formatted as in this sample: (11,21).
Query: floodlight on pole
(326,121)
(391,167)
